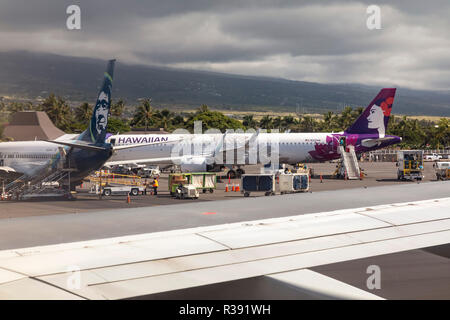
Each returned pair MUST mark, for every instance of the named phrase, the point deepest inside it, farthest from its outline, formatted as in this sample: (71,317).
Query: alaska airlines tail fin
(375,117)
(96,131)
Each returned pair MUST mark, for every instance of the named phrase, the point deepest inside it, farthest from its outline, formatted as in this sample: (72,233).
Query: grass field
(257,115)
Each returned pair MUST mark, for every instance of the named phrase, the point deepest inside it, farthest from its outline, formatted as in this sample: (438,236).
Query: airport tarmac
(114,217)
(377,174)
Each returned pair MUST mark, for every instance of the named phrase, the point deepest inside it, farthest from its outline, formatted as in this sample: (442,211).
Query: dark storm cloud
(325,41)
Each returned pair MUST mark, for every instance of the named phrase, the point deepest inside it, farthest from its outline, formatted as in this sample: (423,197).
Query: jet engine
(193,164)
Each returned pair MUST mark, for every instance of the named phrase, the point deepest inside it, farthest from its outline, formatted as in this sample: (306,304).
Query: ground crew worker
(155,186)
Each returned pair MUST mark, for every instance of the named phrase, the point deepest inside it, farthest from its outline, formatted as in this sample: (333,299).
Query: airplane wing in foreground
(282,248)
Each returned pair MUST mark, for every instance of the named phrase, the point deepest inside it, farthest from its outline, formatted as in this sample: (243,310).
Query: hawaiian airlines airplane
(200,152)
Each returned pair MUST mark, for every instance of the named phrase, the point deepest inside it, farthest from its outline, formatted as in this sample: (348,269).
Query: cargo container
(293,182)
(258,183)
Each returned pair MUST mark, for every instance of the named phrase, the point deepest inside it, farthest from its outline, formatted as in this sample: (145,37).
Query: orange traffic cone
(232,187)
(128,199)
(226,188)
(237,188)
(321,178)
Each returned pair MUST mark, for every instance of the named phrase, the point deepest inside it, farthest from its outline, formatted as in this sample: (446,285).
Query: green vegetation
(212,120)
(434,134)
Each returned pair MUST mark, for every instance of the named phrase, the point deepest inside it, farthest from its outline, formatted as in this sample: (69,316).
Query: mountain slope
(31,75)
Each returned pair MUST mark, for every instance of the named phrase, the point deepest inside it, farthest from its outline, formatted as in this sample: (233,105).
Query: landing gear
(231,174)
(240,172)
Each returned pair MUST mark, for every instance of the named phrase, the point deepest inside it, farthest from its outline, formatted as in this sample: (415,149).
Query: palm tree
(266,122)
(442,132)
(249,122)
(346,118)
(165,118)
(144,114)
(83,112)
(117,108)
(328,121)
(178,121)
(58,111)
(288,122)
(277,123)
(308,124)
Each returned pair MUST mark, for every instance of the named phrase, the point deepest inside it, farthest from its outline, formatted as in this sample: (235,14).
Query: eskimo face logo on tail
(101,112)
(378,115)
(96,131)
(99,120)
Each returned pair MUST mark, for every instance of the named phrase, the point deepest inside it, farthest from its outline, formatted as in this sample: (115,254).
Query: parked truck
(433,157)
(109,190)
(116,184)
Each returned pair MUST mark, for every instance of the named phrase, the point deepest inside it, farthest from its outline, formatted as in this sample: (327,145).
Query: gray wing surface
(282,249)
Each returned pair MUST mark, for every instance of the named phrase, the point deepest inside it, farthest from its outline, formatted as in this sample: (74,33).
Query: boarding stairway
(37,184)
(47,179)
(349,162)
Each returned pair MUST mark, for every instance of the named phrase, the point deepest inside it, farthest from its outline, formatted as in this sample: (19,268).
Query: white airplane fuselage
(28,157)
(293,147)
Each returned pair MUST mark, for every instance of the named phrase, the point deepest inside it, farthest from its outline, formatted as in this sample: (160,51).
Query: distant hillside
(31,75)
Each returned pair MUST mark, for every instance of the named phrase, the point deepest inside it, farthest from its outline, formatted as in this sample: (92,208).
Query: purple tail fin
(375,117)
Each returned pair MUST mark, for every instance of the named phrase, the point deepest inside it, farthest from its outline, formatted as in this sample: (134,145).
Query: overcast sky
(321,41)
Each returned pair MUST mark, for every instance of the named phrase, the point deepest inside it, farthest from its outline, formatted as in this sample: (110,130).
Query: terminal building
(31,125)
